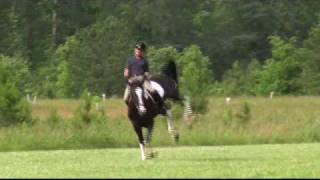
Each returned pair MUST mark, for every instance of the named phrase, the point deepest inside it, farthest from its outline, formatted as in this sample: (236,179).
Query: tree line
(60,48)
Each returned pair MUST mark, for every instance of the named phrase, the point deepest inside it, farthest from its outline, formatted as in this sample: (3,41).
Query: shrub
(13,107)
(195,77)
(244,114)
(85,114)
(54,118)
(280,73)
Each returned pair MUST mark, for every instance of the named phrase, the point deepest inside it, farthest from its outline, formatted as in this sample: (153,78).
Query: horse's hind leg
(171,128)
(141,143)
(149,152)
(149,134)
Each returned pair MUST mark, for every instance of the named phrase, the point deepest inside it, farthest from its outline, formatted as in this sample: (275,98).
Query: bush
(54,119)
(85,114)
(280,73)
(239,79)
(195,77)
(13,107)
(244,114)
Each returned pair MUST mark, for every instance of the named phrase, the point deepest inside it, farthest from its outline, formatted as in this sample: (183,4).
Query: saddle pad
(158,88)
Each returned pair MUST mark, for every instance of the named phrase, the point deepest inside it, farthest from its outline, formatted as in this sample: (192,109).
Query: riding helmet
(141,46)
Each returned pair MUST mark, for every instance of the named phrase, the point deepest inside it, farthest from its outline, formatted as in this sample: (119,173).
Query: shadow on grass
(220,159)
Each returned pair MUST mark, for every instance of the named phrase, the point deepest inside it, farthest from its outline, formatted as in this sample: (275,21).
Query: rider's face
(138,52)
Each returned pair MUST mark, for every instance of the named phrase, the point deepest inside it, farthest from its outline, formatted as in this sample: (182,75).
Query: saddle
(150,90)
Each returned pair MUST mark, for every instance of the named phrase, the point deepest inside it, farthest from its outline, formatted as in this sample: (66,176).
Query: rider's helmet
(141,46)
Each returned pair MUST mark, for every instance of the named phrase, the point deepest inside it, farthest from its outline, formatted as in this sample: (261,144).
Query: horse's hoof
(176,138)
(174,135)
(152,155)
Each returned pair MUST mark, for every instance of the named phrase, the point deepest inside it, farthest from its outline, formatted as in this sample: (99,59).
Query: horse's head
(134,83)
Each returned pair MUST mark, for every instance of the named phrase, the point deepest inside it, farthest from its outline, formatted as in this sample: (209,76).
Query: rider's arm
(126,72)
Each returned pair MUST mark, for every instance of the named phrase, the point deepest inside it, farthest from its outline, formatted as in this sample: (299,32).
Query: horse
(166,85)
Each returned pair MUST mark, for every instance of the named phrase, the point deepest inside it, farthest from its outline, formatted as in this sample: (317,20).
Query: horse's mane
(168,79)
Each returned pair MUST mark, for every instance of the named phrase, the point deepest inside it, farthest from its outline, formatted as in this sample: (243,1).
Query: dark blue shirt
(137,66)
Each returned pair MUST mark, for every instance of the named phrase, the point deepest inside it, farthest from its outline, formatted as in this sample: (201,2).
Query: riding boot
(126,95)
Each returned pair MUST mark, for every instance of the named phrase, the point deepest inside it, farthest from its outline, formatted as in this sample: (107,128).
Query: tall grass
(246,120)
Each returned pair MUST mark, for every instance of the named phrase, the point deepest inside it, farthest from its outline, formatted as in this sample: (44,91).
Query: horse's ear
(170,70)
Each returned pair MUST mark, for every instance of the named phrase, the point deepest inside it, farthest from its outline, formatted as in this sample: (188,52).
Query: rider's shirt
(137,66)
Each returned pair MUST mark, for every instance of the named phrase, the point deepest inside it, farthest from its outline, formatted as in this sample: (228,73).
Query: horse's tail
(170,70)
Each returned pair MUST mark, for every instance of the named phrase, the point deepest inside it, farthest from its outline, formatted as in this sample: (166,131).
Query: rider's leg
(126,94)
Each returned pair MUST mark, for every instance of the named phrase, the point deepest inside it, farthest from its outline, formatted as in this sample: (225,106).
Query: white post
(228,99)
(104,97)
(271,94)
(34,99)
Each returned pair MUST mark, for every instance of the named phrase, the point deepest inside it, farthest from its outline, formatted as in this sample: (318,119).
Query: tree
(195,77)
(280,73)
(310,77)
(94,58)
(13,107)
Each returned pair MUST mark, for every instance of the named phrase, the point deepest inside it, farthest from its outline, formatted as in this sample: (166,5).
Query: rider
(138,68)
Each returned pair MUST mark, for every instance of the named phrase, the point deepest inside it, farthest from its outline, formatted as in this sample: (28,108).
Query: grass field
(250,137)
(246,161)
(246,120)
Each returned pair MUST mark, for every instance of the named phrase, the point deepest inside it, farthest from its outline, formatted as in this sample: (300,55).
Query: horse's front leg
(141,109)
(171,128)
(141,141)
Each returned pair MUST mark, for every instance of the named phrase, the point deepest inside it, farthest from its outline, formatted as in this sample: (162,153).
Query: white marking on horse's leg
(187,109)
(142,150)
(139,94)
(171,128)
(169,121)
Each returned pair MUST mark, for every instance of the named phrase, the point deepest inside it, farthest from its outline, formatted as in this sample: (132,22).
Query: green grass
(246,120)
(246,161)
(84,150)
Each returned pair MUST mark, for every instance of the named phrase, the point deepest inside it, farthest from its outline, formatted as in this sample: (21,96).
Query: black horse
(167,82)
